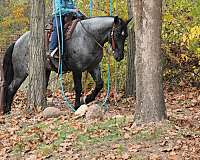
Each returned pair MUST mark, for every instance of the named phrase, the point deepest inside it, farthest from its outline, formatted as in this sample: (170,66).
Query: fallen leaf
(172,156)
(154,157)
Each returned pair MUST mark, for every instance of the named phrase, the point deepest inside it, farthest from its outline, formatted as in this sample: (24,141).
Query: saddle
(69,24)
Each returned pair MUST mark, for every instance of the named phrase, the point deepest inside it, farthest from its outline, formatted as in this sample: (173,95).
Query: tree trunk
(1,87)
(149,90)
(37,58)
(130,76)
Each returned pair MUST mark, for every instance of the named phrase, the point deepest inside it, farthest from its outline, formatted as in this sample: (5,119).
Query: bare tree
(149,90)
(130,75)
(37,60)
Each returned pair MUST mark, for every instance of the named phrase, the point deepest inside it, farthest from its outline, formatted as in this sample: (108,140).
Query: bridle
(112,38)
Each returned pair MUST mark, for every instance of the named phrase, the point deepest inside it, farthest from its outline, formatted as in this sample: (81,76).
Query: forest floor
(115,137)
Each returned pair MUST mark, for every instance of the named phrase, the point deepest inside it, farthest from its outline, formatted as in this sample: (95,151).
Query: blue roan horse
(81,53)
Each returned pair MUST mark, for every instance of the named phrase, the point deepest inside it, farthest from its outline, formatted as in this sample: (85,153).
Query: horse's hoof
(83,100)
(6,112)
(76,107)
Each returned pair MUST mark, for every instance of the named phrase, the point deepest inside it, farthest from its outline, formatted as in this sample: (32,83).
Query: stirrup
(54,51)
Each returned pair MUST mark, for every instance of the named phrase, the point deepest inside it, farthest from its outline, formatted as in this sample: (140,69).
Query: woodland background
(180,35)
(115,137)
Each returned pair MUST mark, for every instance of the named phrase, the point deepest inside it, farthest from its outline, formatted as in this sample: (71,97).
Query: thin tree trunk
(117,66)
(37,61)
(1,87)
(149,90)
(130,89)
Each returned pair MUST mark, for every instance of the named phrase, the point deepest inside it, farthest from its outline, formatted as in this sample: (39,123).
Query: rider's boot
(53,53)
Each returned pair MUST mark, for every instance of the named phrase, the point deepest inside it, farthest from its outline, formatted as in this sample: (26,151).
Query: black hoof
(77,105)
(7,110)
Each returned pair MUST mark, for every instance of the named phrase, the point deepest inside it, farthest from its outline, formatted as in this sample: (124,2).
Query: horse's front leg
(77,76)
(96,75)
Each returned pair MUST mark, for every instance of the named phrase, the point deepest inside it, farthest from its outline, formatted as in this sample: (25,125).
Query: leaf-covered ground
(32,137)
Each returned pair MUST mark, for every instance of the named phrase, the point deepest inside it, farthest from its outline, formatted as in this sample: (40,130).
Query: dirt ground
(25,136)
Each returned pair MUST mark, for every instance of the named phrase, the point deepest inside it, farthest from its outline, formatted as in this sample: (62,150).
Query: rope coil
(61,49)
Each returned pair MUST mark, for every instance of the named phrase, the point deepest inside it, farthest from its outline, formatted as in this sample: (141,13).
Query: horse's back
(20,53)
(22,45)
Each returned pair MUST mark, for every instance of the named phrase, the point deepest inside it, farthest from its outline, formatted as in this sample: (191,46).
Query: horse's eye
(123,33)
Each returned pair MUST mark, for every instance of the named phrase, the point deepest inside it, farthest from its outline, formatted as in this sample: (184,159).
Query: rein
(112,36)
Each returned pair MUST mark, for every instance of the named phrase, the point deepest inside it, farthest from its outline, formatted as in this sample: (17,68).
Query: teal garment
(65,6)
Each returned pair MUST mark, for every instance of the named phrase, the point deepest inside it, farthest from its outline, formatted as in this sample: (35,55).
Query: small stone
(81,111)
(51,112)
(127,136)
(94,112)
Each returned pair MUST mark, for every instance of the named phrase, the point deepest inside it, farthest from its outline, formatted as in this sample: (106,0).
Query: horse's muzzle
(118,55)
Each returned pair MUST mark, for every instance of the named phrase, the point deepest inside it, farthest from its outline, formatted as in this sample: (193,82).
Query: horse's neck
(99,27)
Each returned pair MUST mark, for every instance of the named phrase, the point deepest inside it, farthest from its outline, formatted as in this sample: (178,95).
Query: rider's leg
(54,36)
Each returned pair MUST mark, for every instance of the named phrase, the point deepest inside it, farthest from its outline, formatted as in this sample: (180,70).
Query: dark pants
(54,36)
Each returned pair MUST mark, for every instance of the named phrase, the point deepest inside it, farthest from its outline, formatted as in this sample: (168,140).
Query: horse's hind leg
(96,75)
(14,86)
(11,91)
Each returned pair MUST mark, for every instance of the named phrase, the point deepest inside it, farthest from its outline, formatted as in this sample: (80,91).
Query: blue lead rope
(105,102)
(91,7)
(111,9)
(68,103)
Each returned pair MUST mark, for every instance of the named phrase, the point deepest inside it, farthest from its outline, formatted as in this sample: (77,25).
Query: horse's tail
(8,66)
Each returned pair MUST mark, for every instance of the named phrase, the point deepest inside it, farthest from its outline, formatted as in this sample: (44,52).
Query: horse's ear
(127,22)
(116,19)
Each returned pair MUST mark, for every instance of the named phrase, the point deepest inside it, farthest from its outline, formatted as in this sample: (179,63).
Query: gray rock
(94,112)
(52,112)
(81,111)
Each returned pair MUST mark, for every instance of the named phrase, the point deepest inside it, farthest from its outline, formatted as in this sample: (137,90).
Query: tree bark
(130,89)
(37,59)
(149,90)
(1,87)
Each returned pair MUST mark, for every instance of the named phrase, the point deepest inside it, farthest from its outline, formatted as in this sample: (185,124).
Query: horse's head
(118,36)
